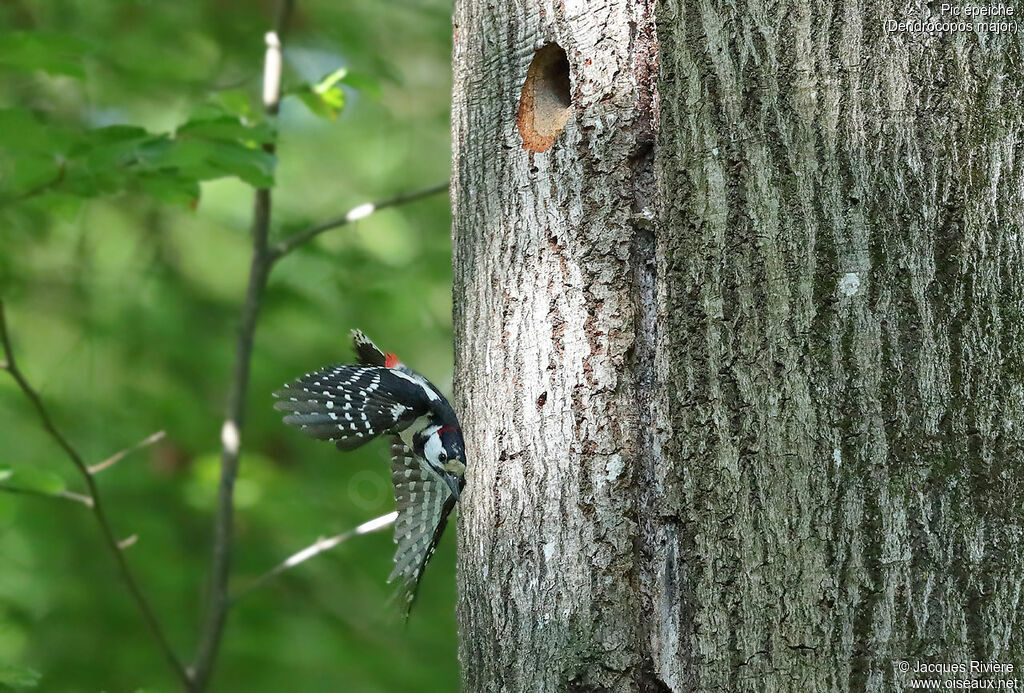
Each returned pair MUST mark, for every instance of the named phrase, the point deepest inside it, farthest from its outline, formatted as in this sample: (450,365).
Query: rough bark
(740,355)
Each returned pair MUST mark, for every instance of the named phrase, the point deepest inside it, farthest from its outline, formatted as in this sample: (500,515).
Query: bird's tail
(367,353)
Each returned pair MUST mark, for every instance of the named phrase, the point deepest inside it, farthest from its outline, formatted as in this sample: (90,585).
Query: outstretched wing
(423,502)
(353,404)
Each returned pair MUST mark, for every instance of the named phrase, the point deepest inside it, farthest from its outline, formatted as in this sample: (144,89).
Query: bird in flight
(351,404)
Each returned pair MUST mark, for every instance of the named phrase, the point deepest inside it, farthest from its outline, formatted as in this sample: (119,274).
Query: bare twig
(318,547)
(212,630)
(97,506)
(292,242)
(60,495)
(118,456)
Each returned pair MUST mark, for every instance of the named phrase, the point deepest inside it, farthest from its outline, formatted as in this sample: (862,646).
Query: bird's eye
(442,456)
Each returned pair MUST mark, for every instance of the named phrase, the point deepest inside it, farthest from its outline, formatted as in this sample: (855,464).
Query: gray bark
(739,357)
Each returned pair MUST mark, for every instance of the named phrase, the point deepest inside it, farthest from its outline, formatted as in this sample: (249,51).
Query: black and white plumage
(423,502)
(351,404)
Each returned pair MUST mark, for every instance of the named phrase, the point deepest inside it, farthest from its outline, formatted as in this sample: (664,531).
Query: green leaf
(227,128)
(58,54)
(170,188)
(254,166)
(201,159)
(28,172)
(21,130)
(325,98)
(32,479)
(236,102)
(316,105)
(17,677)
(105,150)
(113,134)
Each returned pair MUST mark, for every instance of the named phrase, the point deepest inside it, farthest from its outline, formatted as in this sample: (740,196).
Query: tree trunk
(740,350)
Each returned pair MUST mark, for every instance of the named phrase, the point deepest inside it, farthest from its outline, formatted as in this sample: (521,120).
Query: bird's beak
(453,483)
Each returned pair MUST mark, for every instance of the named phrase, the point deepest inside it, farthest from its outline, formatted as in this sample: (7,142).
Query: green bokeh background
(123,308)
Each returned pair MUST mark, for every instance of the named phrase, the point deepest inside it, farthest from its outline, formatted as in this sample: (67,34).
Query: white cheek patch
(432,449)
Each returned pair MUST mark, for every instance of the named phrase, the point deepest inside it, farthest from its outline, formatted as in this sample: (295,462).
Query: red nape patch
(446,428)
(391,361)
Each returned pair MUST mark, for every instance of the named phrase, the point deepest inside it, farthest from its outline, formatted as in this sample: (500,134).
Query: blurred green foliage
(129,142)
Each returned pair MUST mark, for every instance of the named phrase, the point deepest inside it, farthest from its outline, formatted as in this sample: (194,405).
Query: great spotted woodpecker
(353,404)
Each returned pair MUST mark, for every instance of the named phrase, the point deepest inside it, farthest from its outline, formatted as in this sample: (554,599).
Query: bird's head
(445,451)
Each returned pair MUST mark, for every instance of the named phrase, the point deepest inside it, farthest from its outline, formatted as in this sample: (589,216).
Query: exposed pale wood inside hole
(545,103)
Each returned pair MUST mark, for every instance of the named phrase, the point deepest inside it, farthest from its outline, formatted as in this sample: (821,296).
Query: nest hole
(545,103)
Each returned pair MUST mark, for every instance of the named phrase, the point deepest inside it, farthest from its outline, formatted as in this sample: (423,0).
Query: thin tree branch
(118,456)
(318,547)
(60,495)
(11,366)
(98,510)
(212,630)
(292,242)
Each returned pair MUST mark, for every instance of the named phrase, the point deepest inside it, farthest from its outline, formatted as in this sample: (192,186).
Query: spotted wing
(352,404)
(423,502)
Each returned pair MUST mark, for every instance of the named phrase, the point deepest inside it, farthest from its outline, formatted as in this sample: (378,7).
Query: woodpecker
(352,404)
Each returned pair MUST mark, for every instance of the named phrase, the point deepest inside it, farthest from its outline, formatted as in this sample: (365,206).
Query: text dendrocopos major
(354,403)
